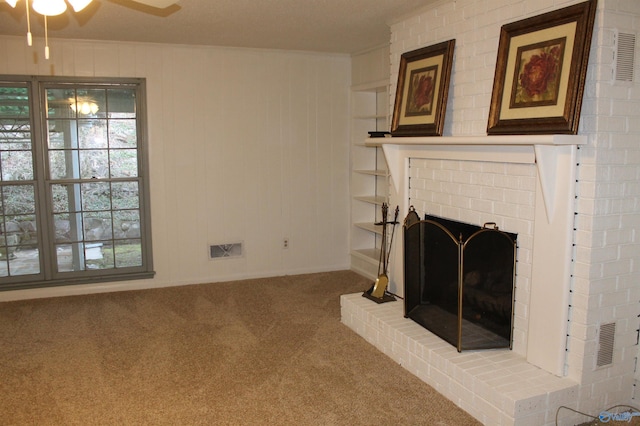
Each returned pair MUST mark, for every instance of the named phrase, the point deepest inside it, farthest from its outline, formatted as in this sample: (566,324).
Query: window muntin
(88,209)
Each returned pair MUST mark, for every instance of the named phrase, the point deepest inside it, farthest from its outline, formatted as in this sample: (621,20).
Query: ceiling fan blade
(160,4)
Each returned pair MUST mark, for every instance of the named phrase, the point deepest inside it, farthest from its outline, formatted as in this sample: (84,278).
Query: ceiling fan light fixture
(78,5)
(57,7)
(84,107)
(49,7)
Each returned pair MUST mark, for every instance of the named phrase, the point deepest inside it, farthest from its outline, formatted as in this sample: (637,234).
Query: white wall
(245,145)
(606,275)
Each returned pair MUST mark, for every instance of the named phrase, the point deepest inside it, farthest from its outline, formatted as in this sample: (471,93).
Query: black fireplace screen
(459,280)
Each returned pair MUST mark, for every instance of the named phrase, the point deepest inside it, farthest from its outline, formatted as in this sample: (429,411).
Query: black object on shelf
(373,134)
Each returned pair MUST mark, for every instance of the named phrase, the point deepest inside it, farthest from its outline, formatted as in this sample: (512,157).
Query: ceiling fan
(57,7)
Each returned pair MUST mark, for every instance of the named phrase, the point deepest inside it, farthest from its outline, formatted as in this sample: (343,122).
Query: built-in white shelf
(371,199)
(374,172)
(368,226)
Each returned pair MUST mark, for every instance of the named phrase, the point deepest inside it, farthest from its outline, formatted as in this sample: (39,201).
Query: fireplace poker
(393,231)
(383,242)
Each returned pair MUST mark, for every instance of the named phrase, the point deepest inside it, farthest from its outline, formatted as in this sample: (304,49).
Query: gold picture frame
(423,87)
(541,71)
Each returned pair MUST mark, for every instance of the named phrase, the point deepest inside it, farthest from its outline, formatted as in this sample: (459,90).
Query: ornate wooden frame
(540,72)
(422,91)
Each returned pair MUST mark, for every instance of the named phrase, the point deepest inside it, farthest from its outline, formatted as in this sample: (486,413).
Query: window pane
(97,226)
(22,262)
(94,164)
(63,228)
(16,158)
(126,224)
(124,163)
(92,134)
(64,164)
(122,103)
(16,165)
(96,196)
(122,134)
(64,257)
(99,255)
(128,253)
(8,245)
(59,103)
(4,267)
(124,195)
(19,254)
(61,134)
(60,198)
(91,103)
(66,197)
(18,199)
(14,134)
(15,102)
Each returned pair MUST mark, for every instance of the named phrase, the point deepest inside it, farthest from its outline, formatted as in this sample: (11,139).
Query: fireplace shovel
(377,292)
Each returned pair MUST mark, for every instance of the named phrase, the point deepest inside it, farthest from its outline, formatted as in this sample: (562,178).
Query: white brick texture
(606,276)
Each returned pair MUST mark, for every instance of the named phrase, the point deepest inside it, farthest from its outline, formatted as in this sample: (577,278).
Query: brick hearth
(497,387)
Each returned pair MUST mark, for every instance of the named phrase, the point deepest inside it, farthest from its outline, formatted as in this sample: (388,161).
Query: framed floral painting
(540,72)
(423,87)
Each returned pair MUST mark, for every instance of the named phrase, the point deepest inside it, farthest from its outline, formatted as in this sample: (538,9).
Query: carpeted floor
(261,352)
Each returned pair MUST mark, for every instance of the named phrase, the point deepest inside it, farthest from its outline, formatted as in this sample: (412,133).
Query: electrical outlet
(285,243)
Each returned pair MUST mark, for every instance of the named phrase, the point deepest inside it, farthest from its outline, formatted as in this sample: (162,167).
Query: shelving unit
(369,174)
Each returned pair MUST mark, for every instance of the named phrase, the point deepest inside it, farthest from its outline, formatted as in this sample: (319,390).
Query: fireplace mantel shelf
(482,140)
(542,150)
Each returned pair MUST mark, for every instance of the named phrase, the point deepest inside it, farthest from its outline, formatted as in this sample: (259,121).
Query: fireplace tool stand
(378,292)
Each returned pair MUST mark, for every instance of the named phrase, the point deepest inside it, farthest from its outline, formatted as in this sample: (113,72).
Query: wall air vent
(224,251)
(625,56)
(605,344)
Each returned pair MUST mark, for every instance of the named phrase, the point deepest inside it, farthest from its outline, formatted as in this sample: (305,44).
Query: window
(73,182)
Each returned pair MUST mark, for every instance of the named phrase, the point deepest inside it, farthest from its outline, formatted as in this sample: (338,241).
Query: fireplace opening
(459,280)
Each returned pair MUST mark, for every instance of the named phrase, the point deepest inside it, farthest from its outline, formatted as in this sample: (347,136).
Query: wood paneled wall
(245,146)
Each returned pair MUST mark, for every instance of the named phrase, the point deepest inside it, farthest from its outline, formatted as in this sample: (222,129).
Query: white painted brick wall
(606,276)
(607,281)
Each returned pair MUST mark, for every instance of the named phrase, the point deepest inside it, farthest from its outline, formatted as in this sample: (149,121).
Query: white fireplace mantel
(542,150)
(555,160)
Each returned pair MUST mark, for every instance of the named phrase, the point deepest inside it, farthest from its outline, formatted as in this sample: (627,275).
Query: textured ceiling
(340,26)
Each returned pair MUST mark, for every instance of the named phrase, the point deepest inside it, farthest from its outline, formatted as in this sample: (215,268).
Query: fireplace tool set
(378,292)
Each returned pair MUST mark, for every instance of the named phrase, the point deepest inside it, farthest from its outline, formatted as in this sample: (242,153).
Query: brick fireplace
(525,184)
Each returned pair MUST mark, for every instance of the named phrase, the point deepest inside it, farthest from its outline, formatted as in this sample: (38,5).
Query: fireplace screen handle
(491,225)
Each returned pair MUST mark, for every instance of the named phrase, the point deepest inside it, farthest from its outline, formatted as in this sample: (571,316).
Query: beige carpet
(256,352)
